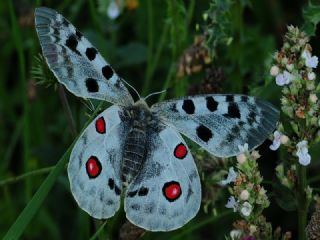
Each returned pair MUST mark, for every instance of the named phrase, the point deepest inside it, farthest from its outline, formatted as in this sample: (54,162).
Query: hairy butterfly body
(135,150)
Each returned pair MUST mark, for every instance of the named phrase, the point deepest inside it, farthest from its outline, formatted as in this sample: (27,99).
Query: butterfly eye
(180,151)
(101,125)
(171,191)
(93,167)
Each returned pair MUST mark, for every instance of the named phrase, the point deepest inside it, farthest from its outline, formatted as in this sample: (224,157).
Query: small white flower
(290,67)
(284,78)
(284,139)
(241,158)
(253,229)
(244,195)
(246,209)
(302,153)
(310,61)
(313,98)
(243,148)
(113,10)
(236,234)
(276,141)
(274,71)
(232,203)
(255,155)
(232,175)
(311,76)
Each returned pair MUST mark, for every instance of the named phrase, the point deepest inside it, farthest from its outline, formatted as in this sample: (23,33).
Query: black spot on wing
(244,98)
(233,111)
(173,107)
(212,105)
(251,117)
(79,34)
(189,193)
(111,183)
(143,191)
(107,72)
(72,43)
(91,53)
(188,106)
(117,190)
(229,98)
(132,193)
(204,133)
(92,85)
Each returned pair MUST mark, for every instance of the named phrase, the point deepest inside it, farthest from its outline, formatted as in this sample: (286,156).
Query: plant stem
(152,63)
(25,175)
(67,110)
(302,201)
(99,231)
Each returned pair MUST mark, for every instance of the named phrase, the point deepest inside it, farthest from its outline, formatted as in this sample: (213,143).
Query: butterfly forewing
(94,166)
(166,193)
(75,62)
(220,123)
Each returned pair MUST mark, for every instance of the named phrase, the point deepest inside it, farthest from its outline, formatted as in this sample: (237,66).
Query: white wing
(220,123)
(94,166)
(166,193)
(75,62)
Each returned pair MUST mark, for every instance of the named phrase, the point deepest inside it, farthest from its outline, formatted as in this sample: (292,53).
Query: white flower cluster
(302,153)
(286,77)
(278,139)
(245,208)
(302,147)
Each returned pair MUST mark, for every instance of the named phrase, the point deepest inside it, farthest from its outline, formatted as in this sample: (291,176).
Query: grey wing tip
(43,15)
(44,10)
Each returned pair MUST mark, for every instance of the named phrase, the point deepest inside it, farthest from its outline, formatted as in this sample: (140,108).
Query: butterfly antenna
(131,87)
(154,93)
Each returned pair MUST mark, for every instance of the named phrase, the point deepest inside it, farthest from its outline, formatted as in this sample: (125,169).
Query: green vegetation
(187,47)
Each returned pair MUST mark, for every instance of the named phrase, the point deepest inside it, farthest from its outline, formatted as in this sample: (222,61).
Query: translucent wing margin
(220,123)
(94,166)
(166,193)
(75,62)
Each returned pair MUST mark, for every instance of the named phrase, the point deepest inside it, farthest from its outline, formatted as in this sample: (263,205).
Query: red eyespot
(171,191)
(93,167)
(101,125)
(180,151)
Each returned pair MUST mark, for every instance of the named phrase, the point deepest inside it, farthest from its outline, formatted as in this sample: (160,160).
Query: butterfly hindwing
(75,62)
(166,193)
(220,123)
(94,166)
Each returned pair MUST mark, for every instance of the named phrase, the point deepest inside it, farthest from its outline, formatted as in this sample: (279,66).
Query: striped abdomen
(134,153)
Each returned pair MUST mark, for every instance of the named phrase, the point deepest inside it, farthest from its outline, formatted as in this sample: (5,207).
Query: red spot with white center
(180,151)
(171,191)
(93,167)
(101,125)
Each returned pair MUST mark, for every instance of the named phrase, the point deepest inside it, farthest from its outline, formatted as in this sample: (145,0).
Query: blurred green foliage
(144,45)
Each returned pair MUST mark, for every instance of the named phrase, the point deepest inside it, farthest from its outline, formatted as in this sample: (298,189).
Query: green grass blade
(34,204)
(30,210)
(97,233)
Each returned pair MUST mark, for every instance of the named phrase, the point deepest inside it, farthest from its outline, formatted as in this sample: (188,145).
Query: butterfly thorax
(139,118)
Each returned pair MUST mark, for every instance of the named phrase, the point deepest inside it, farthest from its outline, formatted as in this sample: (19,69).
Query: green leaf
(311,14)
(284,197)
